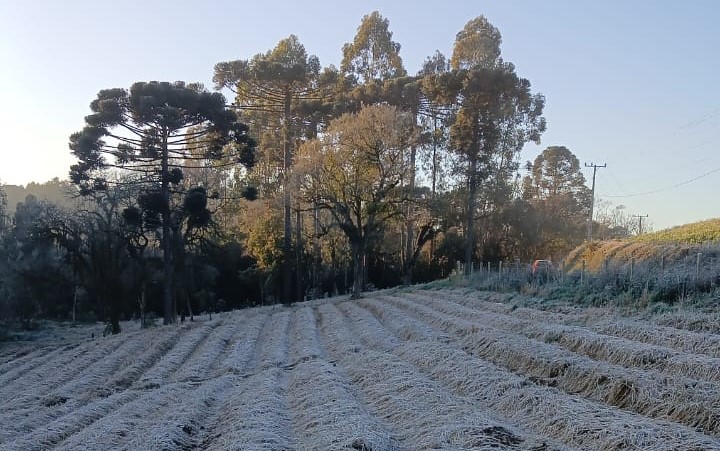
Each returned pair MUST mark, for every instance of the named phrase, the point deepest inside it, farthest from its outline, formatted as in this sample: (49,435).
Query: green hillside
(672,245)
(695,233)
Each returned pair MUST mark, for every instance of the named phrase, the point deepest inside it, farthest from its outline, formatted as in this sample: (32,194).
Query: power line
(667,188)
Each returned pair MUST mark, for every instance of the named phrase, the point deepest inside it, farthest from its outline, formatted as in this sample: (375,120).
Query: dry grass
(442,370)
(644,391)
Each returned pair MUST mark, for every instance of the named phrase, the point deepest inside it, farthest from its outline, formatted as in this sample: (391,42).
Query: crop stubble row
(385,373)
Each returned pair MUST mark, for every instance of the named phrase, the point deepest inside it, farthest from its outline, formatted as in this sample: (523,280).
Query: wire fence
(653,280)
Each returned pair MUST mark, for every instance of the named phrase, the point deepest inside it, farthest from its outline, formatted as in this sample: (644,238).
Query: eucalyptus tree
(276,92)
(354,170)
(493,114)
(373,54)
(148,130)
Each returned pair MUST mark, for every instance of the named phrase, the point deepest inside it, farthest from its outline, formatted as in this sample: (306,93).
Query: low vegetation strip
(391,372)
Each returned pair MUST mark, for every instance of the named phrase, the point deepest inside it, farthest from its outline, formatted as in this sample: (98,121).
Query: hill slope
(395,371)
(674,246)
(695,233)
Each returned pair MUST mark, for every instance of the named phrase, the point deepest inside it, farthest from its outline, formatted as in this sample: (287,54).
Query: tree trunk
(75,301)
(410,240)
(141,302)
(358,256)
(470,219)
(317,258)
(298,257)
(287,230)
(168,307)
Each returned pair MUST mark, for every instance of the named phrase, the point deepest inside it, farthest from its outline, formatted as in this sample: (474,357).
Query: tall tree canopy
(373,54)
(354,171)
(149,130)
(476,45)
(493,114)
(276,92)
(556,189)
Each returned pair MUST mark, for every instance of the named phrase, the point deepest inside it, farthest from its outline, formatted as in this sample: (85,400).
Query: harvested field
(393,371)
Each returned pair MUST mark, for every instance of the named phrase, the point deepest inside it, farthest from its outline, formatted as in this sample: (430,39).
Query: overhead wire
(667,188)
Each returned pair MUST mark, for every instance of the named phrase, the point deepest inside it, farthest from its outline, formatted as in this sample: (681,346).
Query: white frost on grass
(57,369)
(616,350)
(22,359)
(326,414)
(181,424)
(200,363)
(550,412)
(272,347)
(302,337)
(388,372)
(254,416)
(647,392)
(42,433)
(170,362)
(681,340)
(423,414)
(242,350)
(115,428)
(157,344)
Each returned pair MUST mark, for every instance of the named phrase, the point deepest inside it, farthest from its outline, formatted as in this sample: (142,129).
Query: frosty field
(413,370)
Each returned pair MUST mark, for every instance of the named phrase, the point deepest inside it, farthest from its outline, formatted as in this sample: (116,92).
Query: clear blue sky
(633,84)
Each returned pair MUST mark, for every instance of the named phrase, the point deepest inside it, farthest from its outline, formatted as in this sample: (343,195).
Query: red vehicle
(542,269)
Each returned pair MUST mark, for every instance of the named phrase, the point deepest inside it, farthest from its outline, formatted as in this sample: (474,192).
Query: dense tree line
(311,181)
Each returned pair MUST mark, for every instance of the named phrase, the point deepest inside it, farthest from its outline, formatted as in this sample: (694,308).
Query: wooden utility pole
(640,218)
(592,197)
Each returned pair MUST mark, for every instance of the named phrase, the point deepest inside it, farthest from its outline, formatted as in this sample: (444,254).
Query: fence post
(472,268)
(697,266)
(632,267)
(662,263)
(582,273)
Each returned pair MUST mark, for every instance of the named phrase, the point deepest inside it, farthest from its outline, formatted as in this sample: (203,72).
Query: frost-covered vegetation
(402,370)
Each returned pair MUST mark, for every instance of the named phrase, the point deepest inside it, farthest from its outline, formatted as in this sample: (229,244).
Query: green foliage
(559,198)
(399,176)
(695,233)
(494,114)
(354,171)
(372,55)
(152,130)
(158,115)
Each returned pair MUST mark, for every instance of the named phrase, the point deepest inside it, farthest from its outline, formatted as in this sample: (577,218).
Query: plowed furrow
(685,401)
(547,411)
(421,413)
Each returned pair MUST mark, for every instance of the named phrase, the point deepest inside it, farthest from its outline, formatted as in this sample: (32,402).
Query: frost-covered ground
(394,371)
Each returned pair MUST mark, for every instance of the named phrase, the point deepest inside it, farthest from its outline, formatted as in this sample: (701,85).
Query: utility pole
(640,218)
(592,198)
